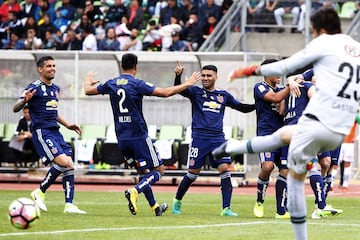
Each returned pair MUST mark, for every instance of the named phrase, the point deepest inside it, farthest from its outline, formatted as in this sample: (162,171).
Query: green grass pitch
(109,218)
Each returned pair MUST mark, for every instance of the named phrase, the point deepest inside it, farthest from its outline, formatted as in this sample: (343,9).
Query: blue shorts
(278,156)
(200,149)
(142,151)
(49,143)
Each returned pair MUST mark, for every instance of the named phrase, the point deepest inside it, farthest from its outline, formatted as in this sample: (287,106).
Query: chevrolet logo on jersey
(122,81)
(51,105)
(212,105)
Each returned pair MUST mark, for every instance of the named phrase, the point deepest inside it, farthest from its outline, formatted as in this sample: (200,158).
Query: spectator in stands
(132,43)
(15,42)
(30,23)
(314,6)
(170,10)
(46,26)
(23,134)
(49,42)
(115,13)
(64,15)
(286,7)
(159,6)
(84,22)
(11,25)
(28,8)
(149,7)
(209,8)
(267,14)
(178,45)
(6,7)
(357,7)
(89,43)
(209,26)
(31,41)
(70,42)
(135,15)
(189,7)
(122,31)
(45,8)
(192,33)
(254,9)
(99,26)
(152,38)
(91,11)
(109,43)
(165,32)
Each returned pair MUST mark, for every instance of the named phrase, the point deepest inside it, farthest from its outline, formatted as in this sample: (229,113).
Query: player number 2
(121,93)
(348,67)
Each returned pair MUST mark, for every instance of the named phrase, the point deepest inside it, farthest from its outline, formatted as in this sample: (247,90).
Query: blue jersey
(126,95)
(268,118)
(43,106)
(294,106)
(208,109)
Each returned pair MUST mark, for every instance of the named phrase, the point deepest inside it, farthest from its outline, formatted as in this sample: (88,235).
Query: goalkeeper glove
(242,72)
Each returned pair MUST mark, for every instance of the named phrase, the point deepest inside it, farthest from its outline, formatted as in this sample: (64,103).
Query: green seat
(69,135)
(174,133)
(93,131)
(10,129)
(347,9)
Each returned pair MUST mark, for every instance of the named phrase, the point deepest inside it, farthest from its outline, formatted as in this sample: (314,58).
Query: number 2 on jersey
(121,93)
(350,68)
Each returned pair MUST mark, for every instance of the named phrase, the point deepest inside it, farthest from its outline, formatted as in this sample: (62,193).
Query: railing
(225,39)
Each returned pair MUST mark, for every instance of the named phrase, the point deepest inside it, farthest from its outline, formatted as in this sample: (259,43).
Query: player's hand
(242,72)
(179,69)
(295,84)
(194,78)
(75,127)
(90,78)
(29,94)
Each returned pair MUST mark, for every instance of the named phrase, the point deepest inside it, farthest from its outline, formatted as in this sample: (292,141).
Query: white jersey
(336,64)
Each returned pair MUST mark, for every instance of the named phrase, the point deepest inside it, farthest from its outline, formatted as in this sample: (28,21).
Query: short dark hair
(210,67)
(40,62)
(270,60)
(129,61)
(326,18)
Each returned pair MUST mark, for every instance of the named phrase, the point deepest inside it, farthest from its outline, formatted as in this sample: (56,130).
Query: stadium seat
(347,9)
(109,150)
(7,154)
(184,148)
(92,137)
(170,137)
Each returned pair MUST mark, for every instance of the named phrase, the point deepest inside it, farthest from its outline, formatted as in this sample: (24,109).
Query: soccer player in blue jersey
(208,108)
(330,113)
(270,105)
(42,98)
(126,94)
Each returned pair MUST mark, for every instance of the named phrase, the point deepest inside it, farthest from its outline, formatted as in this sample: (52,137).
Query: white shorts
(346,152)
(310,138)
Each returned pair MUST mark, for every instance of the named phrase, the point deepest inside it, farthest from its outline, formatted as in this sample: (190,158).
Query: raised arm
(20,103)
(170,91)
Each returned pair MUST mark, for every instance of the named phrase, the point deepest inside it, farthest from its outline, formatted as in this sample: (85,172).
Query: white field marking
(168,227)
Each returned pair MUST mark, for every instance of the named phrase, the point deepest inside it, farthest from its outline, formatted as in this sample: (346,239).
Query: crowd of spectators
(122,25)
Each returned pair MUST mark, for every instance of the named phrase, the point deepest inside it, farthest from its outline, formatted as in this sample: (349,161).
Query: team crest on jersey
(267,154)
(54,150)
(352,51)
(57,94)
(220,98)
(261,88)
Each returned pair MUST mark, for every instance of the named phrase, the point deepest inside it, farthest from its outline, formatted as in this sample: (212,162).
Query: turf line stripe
(167,227)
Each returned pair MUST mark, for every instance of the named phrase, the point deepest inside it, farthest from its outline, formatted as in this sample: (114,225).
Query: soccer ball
(23,213)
